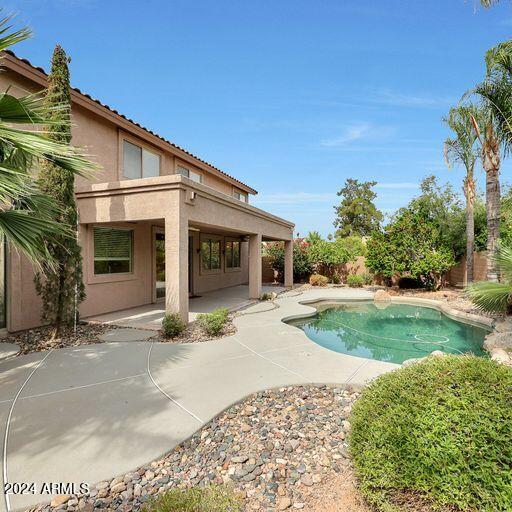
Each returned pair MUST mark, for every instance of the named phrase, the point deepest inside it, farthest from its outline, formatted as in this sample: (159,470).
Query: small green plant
(436,435)
(355,281)
(172,325)
(214,498)
(336,278)
(267,296)
(318,280)
(368,278)
(213,323)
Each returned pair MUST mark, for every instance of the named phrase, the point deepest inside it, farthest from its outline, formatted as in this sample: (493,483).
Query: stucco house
(157,223)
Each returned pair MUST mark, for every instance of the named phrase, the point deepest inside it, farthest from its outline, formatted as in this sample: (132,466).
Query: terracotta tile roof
(26,61)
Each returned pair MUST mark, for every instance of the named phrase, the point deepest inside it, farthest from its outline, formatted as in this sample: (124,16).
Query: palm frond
(503,259)
(8,37)
(490,296)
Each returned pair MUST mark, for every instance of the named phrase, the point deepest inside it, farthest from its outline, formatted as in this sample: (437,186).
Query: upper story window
(194,176)
(113,250)
(138,162)
(241,196)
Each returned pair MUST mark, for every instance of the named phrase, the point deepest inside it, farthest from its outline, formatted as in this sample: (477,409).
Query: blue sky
(291,97)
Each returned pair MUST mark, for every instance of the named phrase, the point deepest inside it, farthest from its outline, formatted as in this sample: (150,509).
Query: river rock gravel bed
(36,340)
(275,448)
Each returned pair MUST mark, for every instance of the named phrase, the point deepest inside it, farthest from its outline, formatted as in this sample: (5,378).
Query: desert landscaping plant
(60,284)
(213,323)
(172,325)
(318,280)
(436,435)
(27,215)
(213,498)
(491,296)
(355,281)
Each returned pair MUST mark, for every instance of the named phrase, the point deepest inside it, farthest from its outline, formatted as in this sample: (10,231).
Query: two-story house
(156,222)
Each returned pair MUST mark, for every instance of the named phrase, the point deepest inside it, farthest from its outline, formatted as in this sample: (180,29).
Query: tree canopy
(357,214)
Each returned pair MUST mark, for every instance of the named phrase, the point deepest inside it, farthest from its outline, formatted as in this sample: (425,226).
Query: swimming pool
(388,331)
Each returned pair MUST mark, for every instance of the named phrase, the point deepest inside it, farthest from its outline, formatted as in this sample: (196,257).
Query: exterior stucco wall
(23,304)
(119,291)
(204,282)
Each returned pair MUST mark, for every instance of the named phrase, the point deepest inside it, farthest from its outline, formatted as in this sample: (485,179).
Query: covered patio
(182,239)
(150,316)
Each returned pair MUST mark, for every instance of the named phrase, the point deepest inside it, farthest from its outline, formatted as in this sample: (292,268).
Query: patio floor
(150,316)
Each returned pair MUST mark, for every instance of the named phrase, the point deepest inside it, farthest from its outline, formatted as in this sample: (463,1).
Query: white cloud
(357,132)
(350,134)
(388,97)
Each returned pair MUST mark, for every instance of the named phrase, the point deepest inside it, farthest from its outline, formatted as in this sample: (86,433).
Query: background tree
(27,216)
(461,150)
(325,256)
(60,285)
(313,237)
(357,214)
(416,242)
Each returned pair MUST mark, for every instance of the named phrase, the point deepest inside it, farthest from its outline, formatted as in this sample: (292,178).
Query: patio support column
(288,263)
(255,266)
(176,261)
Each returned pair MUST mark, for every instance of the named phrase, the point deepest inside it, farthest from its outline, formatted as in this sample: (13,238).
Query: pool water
(389,332)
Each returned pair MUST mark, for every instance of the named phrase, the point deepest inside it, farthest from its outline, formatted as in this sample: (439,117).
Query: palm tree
(461,150)
(494,132)
(495,297)
(26,214)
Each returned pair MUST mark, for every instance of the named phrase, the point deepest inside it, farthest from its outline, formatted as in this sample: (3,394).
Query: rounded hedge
(436,434)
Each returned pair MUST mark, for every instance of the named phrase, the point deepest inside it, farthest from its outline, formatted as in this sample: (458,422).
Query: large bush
(436,435)
(411,245)
(325,256)
(301,262)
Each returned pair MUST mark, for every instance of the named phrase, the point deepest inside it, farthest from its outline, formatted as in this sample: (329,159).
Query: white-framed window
(241,196)
(232,254)
(194,176)
(138,162)
(210,253)
(113,250)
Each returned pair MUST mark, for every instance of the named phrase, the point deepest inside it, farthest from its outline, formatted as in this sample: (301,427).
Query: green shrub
(213,323)
(267,296)
(301,263)
(336,278)
(437,432)
(355,281)
(172,325)
(318,280)
(195,499)
(368,278)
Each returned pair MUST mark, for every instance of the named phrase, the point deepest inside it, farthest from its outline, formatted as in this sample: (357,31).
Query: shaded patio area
(150,316)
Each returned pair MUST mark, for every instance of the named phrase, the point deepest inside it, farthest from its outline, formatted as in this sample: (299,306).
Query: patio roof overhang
(164,196)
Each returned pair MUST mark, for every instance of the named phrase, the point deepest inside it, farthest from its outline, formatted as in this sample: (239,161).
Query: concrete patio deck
(90,413)
(150,316)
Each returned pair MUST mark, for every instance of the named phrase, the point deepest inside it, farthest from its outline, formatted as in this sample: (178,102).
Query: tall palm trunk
(491,164)
(469,192)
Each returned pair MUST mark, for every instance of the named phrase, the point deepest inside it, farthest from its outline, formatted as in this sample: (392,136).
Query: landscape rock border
(275,447)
